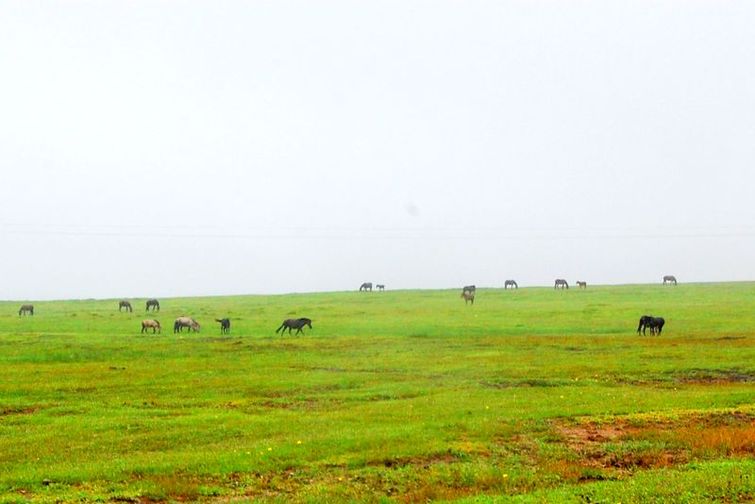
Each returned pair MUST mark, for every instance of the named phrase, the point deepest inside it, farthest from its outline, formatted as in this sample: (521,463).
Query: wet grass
(404,396)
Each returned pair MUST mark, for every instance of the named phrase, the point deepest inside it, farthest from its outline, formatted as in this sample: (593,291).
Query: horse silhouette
(297,324)
(561,283)
(669,279)
(366,286)
(225,325)
(154,304)
(26,309)
(510,283)
(125,304)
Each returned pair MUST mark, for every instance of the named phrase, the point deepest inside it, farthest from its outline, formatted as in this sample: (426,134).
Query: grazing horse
(468,297)
(151,324)
(297,324)
(366,286)
(26,309)
(225,325)
(380,287)
(181,322)
(669,279)
(581,285)
(560,282)
(469,288)
(125,304)
(510,283)
(154,304)
(655,324)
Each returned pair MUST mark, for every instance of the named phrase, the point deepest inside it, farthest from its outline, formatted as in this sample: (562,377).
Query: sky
(180,148)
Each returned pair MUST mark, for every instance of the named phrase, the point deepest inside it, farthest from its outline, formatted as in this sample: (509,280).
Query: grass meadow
(533,395)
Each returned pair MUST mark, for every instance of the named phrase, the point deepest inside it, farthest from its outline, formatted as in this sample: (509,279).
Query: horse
(366,286)
(468,297)
(469,288)
(26,309)
(181,322)
(380,287)
(655,324)
(151,324)
(669,279)
(581,285)
(297,324)
(125,304)
(154,304)
(560,282)
(225,325)
(510,283)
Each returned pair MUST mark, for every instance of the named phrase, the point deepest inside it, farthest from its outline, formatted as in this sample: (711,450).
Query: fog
(204,148)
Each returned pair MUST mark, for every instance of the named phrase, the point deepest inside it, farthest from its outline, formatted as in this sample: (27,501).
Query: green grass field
(532,395)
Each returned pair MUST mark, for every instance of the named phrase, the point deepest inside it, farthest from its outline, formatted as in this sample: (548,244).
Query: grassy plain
(532,395)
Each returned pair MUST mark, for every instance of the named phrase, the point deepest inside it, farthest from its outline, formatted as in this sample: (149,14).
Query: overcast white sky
(156,148)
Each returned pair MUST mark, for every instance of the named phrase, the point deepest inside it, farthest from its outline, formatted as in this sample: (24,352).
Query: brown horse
(181,322)
(151,324)
(125,304)
(468,297)
(26,309)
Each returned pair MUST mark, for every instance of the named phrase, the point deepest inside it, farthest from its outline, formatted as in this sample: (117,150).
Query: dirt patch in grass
(714,376)
(18,410)
(625,445)
(504,384)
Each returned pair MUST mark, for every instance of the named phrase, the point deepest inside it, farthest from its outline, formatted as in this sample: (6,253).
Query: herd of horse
(655,324)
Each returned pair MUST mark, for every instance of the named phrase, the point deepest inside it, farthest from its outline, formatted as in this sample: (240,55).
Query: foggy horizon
(175,150)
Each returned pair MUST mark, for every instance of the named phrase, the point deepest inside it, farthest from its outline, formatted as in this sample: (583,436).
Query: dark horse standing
(297,324)
(125,304)
(225,325)
(380,287)
(26,309)
(669,279)
(366,286)
(510,283)
(154,304)
(560,282)
(581,285)
(655,324)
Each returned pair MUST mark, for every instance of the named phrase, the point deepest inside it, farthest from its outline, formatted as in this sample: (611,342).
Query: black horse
(154,304)
(581,285)
(297,324)
(125,304)
(655,324)
(510,283)
(225,325)
(671,279)
(380,287)
(26,309)
(560,282)
(366,286)
(469,288)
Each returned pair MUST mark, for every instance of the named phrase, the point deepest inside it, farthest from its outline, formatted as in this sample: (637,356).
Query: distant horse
(297,324)
(655,324)
(510,283)
(469,288)
(225,325)
(468,297)
(669,279)
(380,287)
(581,285)
(154,304)
(125,304)
(181,322)
(151,324)
(26,309)
(561,283)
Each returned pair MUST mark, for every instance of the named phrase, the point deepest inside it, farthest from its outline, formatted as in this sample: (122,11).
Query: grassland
(408,396)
